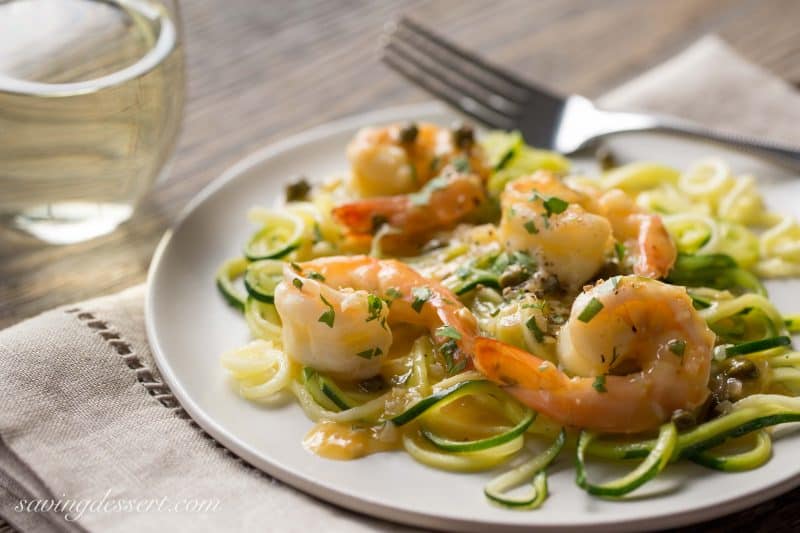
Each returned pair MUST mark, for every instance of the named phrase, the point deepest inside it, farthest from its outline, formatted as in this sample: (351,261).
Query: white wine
(91,95)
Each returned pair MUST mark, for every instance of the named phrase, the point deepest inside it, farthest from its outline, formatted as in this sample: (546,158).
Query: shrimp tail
(364,217)
(507,365)
(656,258)
(615,405)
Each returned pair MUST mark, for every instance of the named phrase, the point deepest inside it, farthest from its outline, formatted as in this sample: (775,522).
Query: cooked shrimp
(638,349)
(337,312)
(441,204)
(572,231)
(573,243)
(643,233)
(401,158)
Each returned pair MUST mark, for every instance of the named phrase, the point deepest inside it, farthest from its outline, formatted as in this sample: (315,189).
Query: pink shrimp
(355,297)
(638,351)
(441,204)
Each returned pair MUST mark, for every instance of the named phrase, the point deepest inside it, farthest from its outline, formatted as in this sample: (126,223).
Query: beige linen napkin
(84,415)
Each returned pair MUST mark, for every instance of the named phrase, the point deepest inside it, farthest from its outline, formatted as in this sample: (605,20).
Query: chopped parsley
(592,308)
(328,316)
(297,283)
(370,353)
(461,164)
(530,227)
(448,350)
(421,295)
(620,250)
(600,383)
(392,294)
(506,159)
(317,233)
(457,367)
(448,331)
(296,267)
(677,347)
(374,307)
(556,205)
(531,324)
(423,196)
(463,272)
(552,205)
(315,275)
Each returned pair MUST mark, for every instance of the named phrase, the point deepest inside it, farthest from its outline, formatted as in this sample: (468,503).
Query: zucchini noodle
(261,369)
(708,209)
(418,397)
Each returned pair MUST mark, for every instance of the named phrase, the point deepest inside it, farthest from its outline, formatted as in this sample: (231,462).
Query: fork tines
(481,90)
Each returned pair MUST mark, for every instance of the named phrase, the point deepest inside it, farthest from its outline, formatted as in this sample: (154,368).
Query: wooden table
(258,71)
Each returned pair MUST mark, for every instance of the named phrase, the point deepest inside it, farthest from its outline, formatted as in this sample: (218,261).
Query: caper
(734,389)
(463,136)
(513,275)
(684,419)
(742,369)
(605,158)
(378,220)
(373,384)
(408,133)
(298,191)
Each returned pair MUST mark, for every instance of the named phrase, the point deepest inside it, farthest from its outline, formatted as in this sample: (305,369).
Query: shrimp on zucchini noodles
(473,302)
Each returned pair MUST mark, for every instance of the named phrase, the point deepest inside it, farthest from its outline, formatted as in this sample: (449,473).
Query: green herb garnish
(448,331)
(555,205)
(421,295)
(297,283)
(423,196)
(315,275)
(531,324)
(374,307)
(620,250)
(392,294)
(677,347)
(530,227)
(461,164)
(592,308)
(328,316)
(600,383)
(370,353)
(506,159)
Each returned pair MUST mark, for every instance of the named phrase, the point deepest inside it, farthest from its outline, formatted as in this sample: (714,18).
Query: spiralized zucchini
(456,420)
(708,209)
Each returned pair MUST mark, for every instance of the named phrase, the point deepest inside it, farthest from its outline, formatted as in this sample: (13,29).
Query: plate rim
(359,504)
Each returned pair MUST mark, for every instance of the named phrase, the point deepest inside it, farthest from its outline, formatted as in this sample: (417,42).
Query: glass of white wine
(91,98)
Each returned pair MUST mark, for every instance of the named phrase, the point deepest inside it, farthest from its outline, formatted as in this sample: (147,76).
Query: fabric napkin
(85,417)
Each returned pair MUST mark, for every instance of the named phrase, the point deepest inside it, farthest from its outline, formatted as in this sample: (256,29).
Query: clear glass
(91,98)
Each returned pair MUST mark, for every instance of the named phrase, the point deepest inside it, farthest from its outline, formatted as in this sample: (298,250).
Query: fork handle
(606,123)
(783,156)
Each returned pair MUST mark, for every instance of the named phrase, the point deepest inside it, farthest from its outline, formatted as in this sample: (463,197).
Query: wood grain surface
(258,71)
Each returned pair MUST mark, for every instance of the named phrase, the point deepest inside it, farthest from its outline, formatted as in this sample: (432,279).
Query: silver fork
(499,99)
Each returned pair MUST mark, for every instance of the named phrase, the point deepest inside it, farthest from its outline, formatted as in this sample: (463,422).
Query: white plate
(189,326)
